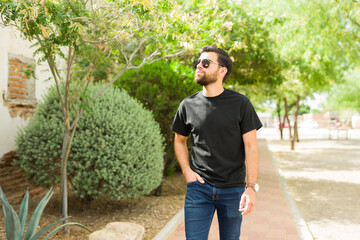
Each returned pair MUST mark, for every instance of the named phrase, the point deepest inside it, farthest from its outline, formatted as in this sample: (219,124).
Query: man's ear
(223,72)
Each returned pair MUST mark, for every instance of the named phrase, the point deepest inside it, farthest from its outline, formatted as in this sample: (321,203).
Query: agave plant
(15,225)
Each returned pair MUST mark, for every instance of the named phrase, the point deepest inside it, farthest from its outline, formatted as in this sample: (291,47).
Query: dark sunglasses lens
(195,63)
(205,63)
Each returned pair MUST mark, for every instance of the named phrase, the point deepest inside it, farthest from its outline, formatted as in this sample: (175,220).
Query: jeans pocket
(191,183)
(194,191)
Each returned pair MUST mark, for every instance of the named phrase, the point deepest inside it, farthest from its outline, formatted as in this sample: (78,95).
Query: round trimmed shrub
(117,148)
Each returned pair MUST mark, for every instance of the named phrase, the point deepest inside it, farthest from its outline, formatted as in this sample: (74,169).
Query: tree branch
(148,60)
(137,49)
(111,82)
(92,67)
(122,70)
(81,112)
(124,54)
(354,21)
(51,65)
(101,41)
(126,67)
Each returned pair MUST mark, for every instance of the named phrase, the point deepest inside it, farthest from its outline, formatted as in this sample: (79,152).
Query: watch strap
(253,186)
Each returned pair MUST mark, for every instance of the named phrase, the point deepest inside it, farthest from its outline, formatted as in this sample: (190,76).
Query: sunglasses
(204,62)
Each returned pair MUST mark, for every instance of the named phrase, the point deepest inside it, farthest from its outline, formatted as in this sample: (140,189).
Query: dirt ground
(149,211)
(324,179)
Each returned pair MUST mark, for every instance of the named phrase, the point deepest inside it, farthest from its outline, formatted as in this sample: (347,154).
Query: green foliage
(346,94)
(316,39)
(161,86)
(53,25)
(15,224)
(117,149)
(255,62)
(303,109)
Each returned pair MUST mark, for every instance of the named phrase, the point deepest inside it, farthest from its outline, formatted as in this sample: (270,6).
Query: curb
(170,226)
(301,226)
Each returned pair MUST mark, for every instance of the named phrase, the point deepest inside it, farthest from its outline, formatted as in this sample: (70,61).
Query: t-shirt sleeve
(179,124)
(250,119)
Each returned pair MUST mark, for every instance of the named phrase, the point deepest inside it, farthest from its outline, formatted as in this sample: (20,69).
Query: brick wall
(21,102)
(13,182)
(21,110)
(17,80)
(20,99)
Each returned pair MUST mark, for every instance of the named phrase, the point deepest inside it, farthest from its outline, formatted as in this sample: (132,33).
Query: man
(223,125)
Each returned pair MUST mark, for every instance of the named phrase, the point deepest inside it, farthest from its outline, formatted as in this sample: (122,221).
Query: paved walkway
(272,217)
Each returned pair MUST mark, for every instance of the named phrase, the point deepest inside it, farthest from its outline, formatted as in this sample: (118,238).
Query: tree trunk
(287,117)
(295,124)
(67,141)
(297,134)
(63,177)
(281,125)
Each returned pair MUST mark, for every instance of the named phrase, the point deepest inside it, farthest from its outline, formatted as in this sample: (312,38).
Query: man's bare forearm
(248,199)
(252,164)
(181,152)
(251,157)
(182,156)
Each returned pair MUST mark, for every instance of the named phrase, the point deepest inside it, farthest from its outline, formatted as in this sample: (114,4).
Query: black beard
(201,81)
(205,80)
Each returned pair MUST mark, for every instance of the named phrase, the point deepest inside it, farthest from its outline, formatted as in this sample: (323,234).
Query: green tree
(246,40)
(346,94)
(101,33)
(122,35)
(315,39)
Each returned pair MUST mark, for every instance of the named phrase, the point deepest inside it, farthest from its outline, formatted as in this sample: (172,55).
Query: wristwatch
(254,186)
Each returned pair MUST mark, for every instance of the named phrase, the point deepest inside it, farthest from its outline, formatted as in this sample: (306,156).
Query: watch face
(256,187)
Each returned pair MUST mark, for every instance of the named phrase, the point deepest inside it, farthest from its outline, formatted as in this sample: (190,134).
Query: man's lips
(198,72)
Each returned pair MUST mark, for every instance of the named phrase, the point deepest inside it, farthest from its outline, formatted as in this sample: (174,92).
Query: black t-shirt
(216,125)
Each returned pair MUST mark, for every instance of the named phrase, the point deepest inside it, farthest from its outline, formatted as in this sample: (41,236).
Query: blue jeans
(200,204)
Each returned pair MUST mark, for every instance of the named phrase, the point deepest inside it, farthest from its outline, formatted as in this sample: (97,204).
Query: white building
(19,92)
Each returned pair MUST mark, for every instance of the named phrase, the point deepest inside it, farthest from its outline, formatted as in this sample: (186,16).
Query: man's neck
(213,90)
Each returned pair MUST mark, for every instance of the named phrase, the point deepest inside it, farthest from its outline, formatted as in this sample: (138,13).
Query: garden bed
(149,211)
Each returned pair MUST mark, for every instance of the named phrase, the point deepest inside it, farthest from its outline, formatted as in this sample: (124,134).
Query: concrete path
(272,218)
(323,177)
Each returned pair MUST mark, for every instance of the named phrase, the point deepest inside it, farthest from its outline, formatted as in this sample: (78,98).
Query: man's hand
(248,201)
(191,176)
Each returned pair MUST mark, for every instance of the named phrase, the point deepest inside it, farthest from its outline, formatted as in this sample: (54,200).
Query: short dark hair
(223,58)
